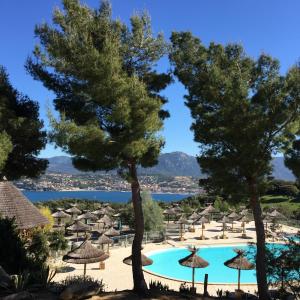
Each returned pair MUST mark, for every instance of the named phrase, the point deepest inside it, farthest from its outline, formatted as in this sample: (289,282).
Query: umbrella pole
(181,231)
(202,231)
(84,271)
(193,278)
(239,279)
(223,230)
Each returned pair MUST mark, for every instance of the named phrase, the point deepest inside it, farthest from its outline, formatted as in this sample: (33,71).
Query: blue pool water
(165,263)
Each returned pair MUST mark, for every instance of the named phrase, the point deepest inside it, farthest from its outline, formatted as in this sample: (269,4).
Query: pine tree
(21,134)
(243,111)
(107,93)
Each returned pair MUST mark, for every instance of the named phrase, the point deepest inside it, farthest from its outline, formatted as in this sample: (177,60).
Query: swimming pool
(165,263)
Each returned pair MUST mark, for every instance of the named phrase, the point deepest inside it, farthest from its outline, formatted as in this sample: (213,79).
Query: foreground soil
(128,295)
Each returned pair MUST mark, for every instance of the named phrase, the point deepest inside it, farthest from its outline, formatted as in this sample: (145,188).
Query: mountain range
(169,164)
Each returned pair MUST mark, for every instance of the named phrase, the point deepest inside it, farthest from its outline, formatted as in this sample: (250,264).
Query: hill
(169,164)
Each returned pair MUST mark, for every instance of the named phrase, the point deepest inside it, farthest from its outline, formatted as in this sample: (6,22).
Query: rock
(19,296)
(79,291)
(5,280)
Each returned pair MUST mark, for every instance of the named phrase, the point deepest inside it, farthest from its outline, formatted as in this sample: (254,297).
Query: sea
(105,196)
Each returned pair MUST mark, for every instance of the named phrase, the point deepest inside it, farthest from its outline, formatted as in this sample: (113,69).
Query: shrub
(221,204)
(38,249)
(158,286)
(57,241)
(13,256)
(46,212)
(153,214)
(85,282)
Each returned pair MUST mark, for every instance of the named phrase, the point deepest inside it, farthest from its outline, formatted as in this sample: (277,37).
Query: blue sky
(270,26)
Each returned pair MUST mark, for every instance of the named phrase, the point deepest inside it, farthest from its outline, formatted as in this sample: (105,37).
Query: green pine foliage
(292,159)
(103,73)
(21,134)
(106,87)
(13,256)
(5,148)
(243,112)
(153,214)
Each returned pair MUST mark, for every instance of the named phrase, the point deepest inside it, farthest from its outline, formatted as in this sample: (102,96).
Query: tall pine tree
(21,134)
(243,111)
(107,92)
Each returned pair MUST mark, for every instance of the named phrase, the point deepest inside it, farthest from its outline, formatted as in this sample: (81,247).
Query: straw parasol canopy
(194,216)
(13,204)
(112,232)
(105,240)
(193,261)
(177,208)
(170,212)
(239,262)
(202,221)
(60,215)
(105,219)
(87,216)
(109,209)
(86,253)
(146,261)
(182,221)
(244,220)
(233,217)
(224,220)
(210,209)
(275,214)
(73,211)
(244,212)
(78,226)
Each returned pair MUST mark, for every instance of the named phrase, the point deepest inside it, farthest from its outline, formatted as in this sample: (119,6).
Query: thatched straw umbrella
(59,215)
(267,220)
(73,211)
(239,262)
(77,227)
(209,210)
(202,221)
(182,221)
(105,240)
(244,220)
(244,212)
(106,221)
(146,261)
(112,232)
(98,212)
(85,254)
(170,212)
(193,217)
(177,208)
(87,216)
(233,217)
(193,261)
(224,220)
(275,214)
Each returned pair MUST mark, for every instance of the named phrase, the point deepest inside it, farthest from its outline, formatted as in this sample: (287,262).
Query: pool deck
(118,276)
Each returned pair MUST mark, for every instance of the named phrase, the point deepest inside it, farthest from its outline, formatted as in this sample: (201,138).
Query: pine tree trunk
(139,283)
(261,245)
